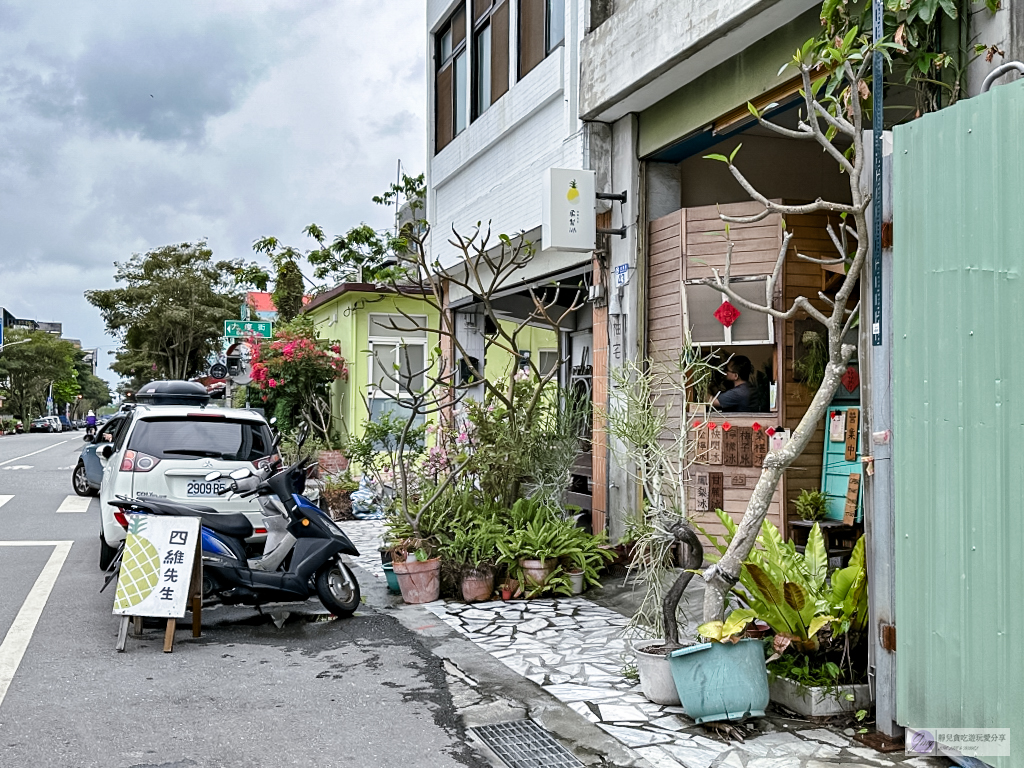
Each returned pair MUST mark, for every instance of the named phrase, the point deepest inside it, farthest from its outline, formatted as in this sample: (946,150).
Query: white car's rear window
(195,438)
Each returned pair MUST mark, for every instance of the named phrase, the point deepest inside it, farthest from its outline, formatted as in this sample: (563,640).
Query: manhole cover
(524,744)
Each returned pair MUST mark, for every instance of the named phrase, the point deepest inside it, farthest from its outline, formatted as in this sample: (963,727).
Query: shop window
(451,80)
(701,302)
(490,53)
(541,30)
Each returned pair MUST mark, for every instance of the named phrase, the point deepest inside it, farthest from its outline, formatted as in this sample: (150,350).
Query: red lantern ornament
(756,427)
(851,379)
(726,314)
(726,426)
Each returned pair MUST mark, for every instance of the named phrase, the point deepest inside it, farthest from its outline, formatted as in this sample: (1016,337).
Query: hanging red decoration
(726,314)
(726,426)
(756,427)
(712,425)
(770,431)
(851,379)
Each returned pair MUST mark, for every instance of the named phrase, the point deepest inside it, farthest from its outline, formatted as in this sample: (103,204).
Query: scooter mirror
(240,474)
(273,420)
(215,475)
(87,439)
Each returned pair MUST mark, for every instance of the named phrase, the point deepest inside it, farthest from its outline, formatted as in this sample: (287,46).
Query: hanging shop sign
(569,219)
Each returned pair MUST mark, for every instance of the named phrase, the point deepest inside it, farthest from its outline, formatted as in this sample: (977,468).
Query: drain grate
(524,744)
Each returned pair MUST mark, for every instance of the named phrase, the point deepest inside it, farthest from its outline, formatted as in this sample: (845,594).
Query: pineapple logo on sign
(573,196)
(156,569)
(140,569)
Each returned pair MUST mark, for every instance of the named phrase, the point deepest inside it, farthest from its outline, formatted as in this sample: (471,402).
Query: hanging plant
(809,368)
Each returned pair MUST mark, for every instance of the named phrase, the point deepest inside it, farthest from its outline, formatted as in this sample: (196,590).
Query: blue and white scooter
(303,553)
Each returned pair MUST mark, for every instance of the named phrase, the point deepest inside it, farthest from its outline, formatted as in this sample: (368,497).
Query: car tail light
(136,461)
(260,531)
(121,519)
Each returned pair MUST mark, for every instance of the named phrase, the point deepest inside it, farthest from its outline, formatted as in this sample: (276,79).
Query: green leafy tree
(924,57)
(169,310)
(289,282)
(29,363)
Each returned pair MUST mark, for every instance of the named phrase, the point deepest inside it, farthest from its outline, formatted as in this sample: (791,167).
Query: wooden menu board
(852,422)
(759,446)
(716,490)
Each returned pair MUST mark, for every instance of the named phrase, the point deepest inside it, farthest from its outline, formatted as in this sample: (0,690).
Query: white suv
(166,451)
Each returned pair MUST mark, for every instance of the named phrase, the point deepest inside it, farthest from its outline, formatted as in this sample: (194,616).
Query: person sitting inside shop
(740,396)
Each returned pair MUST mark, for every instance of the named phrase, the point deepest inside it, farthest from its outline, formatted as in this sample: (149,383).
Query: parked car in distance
(66,424)
(46,424)
(164,447)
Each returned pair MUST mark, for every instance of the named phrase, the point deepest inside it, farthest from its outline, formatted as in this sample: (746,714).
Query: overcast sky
(129,125)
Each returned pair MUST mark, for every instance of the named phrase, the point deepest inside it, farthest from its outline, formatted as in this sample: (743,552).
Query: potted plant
(471,554)
(812,505)
(818,623)
(542,549)
(418,572)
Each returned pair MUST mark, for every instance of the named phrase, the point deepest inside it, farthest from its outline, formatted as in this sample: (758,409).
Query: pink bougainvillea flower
(273,383)
(462,438)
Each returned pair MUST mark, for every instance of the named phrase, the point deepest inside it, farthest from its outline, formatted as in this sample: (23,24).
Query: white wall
(491,172)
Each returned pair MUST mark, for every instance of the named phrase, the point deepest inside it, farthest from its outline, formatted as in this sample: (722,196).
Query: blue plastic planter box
(721,681)
(389,574)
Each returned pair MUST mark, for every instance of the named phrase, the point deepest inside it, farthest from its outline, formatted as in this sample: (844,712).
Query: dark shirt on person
(736,399)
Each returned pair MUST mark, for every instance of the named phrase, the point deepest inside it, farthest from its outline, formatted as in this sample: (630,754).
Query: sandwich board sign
(156,568)
(161,573)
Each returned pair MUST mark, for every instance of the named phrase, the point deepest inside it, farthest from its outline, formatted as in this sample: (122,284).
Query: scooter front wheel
(337,589)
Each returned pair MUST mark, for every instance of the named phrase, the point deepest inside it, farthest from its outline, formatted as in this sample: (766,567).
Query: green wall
(958,415)
(345,320)
(731,84)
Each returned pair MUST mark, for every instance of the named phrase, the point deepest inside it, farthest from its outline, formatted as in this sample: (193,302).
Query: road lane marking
(75,504)
(5,499)
(13,648)
(17,466)
(19,458)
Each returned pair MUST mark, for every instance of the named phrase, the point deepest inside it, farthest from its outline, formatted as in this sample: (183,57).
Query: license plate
(203,488)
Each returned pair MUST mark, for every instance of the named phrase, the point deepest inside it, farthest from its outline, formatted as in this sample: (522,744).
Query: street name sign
(260,329)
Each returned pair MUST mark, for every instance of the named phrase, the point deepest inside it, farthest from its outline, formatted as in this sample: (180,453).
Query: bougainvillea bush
(294,371)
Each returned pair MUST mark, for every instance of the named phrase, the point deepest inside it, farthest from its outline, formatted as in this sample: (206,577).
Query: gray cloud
(265,115)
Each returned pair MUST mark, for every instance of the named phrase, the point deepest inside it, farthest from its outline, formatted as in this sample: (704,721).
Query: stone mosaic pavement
(574,650)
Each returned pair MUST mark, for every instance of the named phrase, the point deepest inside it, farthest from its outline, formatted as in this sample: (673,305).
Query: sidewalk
(572,649)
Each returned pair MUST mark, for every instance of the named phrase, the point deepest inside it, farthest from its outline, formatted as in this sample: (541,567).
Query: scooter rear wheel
(337,588)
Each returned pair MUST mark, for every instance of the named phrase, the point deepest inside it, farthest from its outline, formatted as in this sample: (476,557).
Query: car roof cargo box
(172,393)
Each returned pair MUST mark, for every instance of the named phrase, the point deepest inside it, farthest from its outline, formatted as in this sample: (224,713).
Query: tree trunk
(722,576)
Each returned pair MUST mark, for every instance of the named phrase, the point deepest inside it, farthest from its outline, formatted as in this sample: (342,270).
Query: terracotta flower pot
(536,572)
(420,582)
(477,585)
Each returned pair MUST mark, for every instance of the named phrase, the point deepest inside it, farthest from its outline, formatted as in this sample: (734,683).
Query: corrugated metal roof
(958,405)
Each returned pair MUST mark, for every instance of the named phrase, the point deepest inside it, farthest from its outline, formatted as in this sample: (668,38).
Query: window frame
(547,46)
(415,338)
(485,21)
(727,340)
(450,61)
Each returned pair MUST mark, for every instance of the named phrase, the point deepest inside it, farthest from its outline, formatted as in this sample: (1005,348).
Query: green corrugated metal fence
(958,383)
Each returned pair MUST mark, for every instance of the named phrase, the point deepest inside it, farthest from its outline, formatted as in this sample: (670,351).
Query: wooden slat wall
(665,271)
(756,246)
(802,278)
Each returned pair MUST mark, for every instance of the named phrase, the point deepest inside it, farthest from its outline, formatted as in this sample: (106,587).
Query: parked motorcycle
(303,551)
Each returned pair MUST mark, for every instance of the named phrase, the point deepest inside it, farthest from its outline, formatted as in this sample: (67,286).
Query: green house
(375,327)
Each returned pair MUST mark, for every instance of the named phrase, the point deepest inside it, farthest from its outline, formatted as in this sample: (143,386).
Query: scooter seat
(229,523)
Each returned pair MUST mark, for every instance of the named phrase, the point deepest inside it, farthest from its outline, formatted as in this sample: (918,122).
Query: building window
(701,301)
(541,30)
(547,361)
(398,357)
(490,53)
(451,93)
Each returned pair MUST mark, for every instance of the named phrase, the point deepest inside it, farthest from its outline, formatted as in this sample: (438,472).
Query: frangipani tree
(836,93)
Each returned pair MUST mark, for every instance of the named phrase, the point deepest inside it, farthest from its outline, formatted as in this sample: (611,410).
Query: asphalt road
(310,692)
